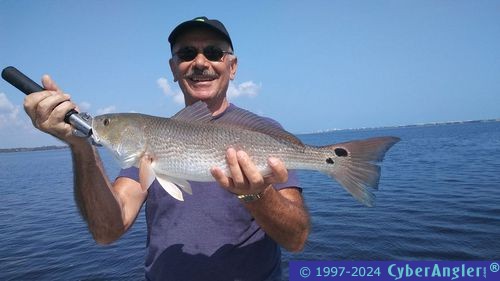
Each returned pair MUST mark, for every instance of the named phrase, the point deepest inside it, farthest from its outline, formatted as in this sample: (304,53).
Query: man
(227,230)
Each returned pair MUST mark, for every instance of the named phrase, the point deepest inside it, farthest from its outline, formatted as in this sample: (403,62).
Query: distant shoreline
(28,149)
(405,126)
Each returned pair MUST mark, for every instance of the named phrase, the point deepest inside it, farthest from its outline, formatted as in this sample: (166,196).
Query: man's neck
(216,110)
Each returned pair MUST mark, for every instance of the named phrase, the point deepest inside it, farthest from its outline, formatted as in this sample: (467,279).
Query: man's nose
(200,61)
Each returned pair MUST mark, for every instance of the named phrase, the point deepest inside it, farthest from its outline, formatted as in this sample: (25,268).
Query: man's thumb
(49,84)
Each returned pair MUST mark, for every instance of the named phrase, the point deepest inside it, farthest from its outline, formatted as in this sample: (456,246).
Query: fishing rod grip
(24,84)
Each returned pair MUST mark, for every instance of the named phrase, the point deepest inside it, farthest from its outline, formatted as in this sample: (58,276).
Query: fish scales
(190,150)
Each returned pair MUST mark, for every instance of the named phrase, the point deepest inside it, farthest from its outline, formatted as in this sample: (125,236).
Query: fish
(186,146)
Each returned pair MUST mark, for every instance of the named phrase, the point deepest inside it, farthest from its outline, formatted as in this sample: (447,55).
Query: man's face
(200,78)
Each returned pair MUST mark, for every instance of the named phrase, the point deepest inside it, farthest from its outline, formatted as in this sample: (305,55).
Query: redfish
(186,146)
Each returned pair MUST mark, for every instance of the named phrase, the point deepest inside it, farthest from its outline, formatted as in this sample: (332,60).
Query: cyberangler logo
(435,270)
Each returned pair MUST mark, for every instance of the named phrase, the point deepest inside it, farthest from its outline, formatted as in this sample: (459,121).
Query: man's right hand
(47,110)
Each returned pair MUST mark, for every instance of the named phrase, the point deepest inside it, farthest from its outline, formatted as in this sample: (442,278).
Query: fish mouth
(96,140)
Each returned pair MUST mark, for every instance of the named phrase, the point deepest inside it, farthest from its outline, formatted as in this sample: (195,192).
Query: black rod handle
(22,82)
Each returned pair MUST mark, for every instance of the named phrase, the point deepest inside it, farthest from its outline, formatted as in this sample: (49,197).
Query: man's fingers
(38,104)
(47,107)
(61,109)
(245,177)
(249,169)
(279,171)
(234,167)
(31,102)
(49,84)
(220,177)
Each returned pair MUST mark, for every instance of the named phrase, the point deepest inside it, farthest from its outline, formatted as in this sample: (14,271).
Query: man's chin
(204,96)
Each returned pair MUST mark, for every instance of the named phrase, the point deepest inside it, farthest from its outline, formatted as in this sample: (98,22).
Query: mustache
(201,73)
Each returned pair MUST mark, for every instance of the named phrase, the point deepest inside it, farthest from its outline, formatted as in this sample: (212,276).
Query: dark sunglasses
(212,53)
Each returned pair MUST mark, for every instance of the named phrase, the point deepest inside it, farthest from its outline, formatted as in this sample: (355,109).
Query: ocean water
(438,199)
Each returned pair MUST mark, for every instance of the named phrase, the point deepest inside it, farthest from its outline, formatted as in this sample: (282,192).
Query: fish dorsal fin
(197,112)
(236,117)
(245,119)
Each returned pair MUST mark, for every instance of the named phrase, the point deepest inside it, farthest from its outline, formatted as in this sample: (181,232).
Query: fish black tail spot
(356,166)
(341,152)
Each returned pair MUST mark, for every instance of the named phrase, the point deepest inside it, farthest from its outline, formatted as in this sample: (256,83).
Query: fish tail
(353,165)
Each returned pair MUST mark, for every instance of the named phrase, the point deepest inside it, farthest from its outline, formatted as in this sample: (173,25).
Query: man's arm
(281,214)
(109,209)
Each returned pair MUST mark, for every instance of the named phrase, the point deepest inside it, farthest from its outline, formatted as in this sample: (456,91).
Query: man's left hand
(245,177)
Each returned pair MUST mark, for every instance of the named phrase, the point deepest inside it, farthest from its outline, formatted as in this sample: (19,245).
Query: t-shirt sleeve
(131,173)
(293,181)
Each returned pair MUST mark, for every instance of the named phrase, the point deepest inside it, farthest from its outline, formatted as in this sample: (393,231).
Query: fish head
(122,134)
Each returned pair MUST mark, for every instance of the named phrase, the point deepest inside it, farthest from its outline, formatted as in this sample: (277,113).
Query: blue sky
(311,65)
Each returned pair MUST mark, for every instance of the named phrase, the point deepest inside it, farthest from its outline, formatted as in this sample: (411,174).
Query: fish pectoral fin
(171,187)
(183,184)
(146,173)
(125,160)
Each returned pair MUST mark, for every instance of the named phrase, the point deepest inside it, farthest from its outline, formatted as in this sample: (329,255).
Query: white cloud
(84,106)
(8,112)
(162,82)
(248,89)
(15,126)
(109,109)
(179,98)
(167,90)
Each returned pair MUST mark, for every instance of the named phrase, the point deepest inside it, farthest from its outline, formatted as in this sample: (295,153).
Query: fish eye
(106,122)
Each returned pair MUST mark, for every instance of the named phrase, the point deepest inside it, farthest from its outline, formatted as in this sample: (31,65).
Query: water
(439,199)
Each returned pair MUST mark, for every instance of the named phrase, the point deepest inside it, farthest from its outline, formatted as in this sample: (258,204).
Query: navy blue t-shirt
(208,236)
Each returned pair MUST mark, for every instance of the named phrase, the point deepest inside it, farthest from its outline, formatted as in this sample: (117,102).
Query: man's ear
(173,68)
(233,67)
